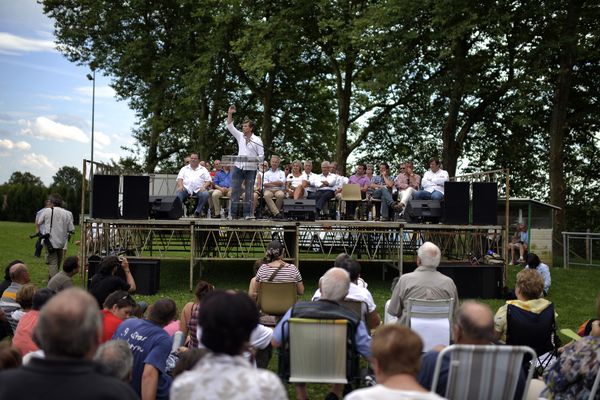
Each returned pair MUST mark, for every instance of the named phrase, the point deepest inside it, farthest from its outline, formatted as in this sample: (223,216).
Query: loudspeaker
(165,207)
(301,209)
(485,203)
(145,272)
(135,196)
(105,197)
(423,211)
(456,203)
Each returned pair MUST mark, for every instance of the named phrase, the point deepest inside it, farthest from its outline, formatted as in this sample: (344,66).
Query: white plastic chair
(431,320)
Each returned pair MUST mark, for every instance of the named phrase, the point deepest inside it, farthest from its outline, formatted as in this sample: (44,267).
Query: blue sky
(46,101)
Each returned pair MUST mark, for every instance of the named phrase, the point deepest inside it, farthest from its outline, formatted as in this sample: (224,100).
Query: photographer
(58,223)
(113,274)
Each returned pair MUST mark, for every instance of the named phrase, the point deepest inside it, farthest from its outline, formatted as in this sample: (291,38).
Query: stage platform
(201,240)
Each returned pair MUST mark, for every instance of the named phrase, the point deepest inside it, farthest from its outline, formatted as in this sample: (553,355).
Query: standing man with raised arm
(248,145)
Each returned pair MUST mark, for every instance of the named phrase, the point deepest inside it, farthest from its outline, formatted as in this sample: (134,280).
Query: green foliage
(24,178)
(20,202)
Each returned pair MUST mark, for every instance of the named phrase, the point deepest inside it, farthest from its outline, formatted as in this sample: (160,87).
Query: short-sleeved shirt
(223,179)
(58,223)
(275,176)
(60,281)
(110,323)
(357,293)
(149,344)
(103,285)
(287,273)
(194,179)
(23,339)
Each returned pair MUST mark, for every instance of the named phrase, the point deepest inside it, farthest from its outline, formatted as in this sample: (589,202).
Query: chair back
(275,298)
(351,192)
(483,372)
(595,386)
(431,320)
(318,351)
(357,307)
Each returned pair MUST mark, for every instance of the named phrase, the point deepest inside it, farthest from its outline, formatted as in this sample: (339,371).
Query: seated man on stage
(222,187)
(407,183)
(324,183)
(433,182)
(382,185)
(193,180)
(274,186)
(307,175)
(361,179)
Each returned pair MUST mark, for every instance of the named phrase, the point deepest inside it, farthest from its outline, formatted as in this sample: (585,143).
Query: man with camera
(58,224)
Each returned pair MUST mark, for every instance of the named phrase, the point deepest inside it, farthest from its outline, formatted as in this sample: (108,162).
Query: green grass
(573,291)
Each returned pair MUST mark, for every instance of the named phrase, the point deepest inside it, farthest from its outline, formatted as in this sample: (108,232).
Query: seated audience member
(25,300)
(227,321)
(7,280)
(592,325)
(10,356)
(274,269)
(359,178)
(358,293)
(424,283)
(519,243)
(341,259)
(193,180)
(407,183)
(188,321)
(473,324)
(172,327)
(64,278)
(334,286)
(23,339)
(324,187)
(151,346)
(572,375)
(188,360)
(381,187)
(529,289)
(294,182)
(534,262)
(432,182)
(19,275)
(68,331)
(109,278)
(117,308)
(396,358)
(222,184)
(274,188)
(116,359)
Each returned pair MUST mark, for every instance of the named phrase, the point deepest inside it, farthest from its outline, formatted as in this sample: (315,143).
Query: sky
(46,101)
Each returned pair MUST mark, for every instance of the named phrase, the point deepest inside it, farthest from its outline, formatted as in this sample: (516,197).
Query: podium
(244,163)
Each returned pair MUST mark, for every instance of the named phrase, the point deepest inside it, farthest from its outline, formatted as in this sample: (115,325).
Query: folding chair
(351,192)
(483,372)
(595,386)
(431,320)
(538,331)
(318,351)
(276,298)
(357,307)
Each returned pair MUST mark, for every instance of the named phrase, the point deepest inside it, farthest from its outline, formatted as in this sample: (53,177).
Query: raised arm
(230,113)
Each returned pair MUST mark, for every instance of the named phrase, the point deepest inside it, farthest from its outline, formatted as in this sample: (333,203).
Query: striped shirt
(287,273)
(10,294)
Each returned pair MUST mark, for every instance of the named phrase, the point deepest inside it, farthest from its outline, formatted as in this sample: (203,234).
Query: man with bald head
(425,283)
(334,286)
(68,330)
(19,275)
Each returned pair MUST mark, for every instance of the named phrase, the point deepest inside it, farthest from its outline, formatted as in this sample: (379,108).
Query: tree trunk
(344,89)
(267,122)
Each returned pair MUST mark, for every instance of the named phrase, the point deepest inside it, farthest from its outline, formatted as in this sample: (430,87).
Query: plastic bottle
(208,213)
(370,217)
(222,213)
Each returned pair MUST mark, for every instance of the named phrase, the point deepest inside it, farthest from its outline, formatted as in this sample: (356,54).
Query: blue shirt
(361,337)
(223,178)
(150,344)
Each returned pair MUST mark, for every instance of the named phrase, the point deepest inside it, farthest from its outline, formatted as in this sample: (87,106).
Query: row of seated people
(225,323)
(393,192)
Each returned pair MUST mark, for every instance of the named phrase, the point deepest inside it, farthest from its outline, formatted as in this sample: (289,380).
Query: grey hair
(325,164)
(116,357)
(335,284)
(429,254)
(69,325)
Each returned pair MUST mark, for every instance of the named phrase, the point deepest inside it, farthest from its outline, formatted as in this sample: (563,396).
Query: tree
(24,178)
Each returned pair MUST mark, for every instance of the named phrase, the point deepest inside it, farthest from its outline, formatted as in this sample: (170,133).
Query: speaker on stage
(165,207)
(105,197)
(456,203)
(301,209)
(135,196)
(423,211)
(485,203)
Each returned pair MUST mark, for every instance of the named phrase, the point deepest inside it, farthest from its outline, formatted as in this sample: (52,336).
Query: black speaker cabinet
(423,211)
(135,196)
(485,200)
(165,207)
(105,197)
(456,203)
(301,209)
(145,272)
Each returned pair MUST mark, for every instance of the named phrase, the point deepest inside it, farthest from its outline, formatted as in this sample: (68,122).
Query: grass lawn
(573,291)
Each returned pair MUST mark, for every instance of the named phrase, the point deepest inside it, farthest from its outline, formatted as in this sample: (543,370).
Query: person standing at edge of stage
(248,145)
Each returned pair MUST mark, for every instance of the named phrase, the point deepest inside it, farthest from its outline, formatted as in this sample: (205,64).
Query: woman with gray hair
(274,269)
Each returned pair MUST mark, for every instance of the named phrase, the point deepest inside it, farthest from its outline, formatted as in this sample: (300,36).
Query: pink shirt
(23,339)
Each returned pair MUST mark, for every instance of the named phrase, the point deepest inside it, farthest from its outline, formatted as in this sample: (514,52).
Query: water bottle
(337,215)
(177,341)
(222,213)
(370,217)
(208,213)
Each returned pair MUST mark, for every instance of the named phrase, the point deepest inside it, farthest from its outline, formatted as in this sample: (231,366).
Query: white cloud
(101,91)
(38,162)
(14,45)
(55,97)
(9,145)
(45,128)
(101,140)
(107,156)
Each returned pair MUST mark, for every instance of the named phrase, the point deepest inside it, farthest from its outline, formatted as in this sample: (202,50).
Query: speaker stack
(135,196)
(456,203)
(485,203)
(423,211)
(165,207)
(105,197)
(301,209)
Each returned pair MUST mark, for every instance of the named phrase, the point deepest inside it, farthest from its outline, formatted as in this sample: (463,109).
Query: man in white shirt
(193,180)
(58,224)
(274,186)
(432,182)
(324,183)
(306,177)
(249,145)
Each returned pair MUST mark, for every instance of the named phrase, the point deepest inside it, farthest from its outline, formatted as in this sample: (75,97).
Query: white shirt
(380,392)
(357,293)
(434,181)
(316,181)
(58,224)
(274,176)
(252,147)
(307,178)
(194,179)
